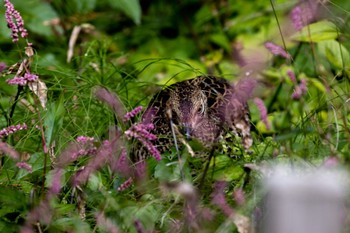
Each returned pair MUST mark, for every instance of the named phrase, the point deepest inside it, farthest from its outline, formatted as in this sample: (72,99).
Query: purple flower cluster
(22,80)
(24,165)
(14,22)
(2,66)
(12,129)
(103,156)
(140,131)
(122,164)
(291,76)
(218,198)
(263,111)
(302,15)
(300,90)
(8,150)
(85,139)
(133,113)
(125,185)
(277,50)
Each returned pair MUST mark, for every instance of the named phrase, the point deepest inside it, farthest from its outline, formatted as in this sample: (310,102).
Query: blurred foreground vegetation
(133,48)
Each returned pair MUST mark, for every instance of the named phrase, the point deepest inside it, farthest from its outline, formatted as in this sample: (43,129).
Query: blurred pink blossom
(263,111)
(125,185)
(133,113)
(299,90)
(277,50)
(140,131)
(2,66)
(24,165)
(219,199)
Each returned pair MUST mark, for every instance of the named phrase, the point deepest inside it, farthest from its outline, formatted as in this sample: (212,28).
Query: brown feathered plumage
(204,108)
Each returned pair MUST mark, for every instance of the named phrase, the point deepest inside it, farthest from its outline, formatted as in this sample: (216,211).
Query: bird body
(203,108)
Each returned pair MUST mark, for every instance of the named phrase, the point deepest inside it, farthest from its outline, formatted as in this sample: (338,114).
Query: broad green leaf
(41,14)
(316,32)
(335,53)
(131,8)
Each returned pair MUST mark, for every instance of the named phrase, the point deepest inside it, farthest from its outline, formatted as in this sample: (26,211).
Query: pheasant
(205,108)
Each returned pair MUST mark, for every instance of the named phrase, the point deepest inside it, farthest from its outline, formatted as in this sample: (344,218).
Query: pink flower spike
(2,66)
(218,198)
(7,149)
(85,139)
(132,113)
(263,111)
(122,165)
(296,18)
(17,81)
(12,129)
(14,22)
(30,77)
(277,50)
(125,185)
(303,14)
(24,165)
(56,181)
(299,90)
(291,76)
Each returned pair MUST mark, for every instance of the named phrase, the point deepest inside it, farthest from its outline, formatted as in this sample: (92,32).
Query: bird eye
(201,109)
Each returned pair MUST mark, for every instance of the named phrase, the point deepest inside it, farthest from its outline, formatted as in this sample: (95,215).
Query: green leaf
(316,32)
(335,53)
(221,40)
(53,120)
(85,5)
(131,8)
(40,15)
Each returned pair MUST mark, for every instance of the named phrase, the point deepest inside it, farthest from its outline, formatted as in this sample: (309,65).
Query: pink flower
(2,66)
(122,164)
(24,165)
(17,81)
(30,77)
(56,181)
(12,129)
(125,185)
(7,149)
(141,132)
(103,156)
(299,90)
(218,198)
(140,170)
(112,100)
(303,14)
(291,76)
(85,139)
(277,50)
(14,22)
(263,111)
(138,226)
(133,113)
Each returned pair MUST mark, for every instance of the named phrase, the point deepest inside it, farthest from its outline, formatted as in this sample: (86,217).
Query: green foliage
(134,48)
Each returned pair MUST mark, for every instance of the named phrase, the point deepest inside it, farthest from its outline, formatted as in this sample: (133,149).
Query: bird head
(188,110)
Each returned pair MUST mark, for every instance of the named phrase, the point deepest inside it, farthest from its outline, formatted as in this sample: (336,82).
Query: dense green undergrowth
(133,48)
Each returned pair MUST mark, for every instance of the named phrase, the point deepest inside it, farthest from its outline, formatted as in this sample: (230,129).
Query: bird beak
(187,131)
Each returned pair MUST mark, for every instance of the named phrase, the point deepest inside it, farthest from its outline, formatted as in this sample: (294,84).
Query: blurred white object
(304,201)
